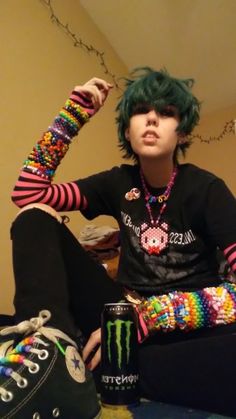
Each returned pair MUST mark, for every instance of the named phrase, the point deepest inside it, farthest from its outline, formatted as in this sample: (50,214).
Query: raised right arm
(35,181)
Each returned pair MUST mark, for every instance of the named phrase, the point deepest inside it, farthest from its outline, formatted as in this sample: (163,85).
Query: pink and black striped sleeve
(230,256)
(35,181)
(31,188)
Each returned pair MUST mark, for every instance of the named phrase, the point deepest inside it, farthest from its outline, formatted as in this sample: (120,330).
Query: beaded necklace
(154,235)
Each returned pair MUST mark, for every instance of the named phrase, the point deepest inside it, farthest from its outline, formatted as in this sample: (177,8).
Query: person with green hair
(173,218)
(157,90)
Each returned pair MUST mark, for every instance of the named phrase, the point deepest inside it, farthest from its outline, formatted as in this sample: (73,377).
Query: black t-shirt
(199,217)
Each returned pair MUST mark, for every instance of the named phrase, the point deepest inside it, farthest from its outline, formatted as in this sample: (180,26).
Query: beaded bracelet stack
(51,148)
(208,307)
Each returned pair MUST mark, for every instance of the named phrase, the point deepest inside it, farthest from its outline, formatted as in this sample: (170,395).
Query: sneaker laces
(5,347)
(33,328)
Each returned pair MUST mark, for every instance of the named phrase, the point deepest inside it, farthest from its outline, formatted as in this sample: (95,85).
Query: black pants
(52,271)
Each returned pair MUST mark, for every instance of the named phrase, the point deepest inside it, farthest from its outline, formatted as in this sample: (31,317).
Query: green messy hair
(157,89)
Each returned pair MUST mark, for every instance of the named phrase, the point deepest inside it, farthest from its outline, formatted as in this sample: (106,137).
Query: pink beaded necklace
(154,235)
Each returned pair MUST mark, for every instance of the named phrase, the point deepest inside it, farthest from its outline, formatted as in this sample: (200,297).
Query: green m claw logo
(118,325)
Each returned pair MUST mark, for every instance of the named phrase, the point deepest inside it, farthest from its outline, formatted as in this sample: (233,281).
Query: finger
(100,88)
(91,354)
(92,343)
(99,93)
(90,90)
(100,83)
(105,92)
(94,94)
(95,360)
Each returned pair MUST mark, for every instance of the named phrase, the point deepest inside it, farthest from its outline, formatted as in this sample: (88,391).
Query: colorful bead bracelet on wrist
(208,307)
(52,147)
(77,111)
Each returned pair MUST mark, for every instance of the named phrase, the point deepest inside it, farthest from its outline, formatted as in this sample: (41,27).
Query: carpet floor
(154,410)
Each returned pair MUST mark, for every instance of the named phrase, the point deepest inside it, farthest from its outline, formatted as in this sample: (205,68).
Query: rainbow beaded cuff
(52,147)
(74,114)
(212,306)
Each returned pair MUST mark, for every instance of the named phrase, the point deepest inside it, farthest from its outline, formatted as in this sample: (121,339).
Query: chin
(150,155)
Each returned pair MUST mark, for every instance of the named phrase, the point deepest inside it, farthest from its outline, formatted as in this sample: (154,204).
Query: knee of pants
(27,215)
(42,207)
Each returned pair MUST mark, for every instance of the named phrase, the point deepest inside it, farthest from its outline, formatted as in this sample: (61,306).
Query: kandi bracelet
(52,147)
(208,307)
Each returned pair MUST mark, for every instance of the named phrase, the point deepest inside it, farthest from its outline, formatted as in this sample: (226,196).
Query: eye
(141,108)
(169,111)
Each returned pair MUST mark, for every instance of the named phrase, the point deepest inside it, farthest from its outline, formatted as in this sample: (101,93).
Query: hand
(93,347)
(95,90)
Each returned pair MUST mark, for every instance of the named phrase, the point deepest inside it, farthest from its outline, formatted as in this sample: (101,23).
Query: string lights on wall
(78,42)
(229,128)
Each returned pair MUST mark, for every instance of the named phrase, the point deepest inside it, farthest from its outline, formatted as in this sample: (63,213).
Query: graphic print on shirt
(154,238)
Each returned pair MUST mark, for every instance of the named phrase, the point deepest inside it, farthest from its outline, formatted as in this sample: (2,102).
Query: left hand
(90,347)
(95,90)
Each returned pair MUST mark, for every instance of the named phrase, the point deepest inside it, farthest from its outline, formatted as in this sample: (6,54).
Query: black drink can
(119,360)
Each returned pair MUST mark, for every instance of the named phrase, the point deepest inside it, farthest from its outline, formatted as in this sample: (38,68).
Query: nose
(152,118)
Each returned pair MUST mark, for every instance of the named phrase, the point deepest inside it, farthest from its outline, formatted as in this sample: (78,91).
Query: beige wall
(39,66)
(217,156)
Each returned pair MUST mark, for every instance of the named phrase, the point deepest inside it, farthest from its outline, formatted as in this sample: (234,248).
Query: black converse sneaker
(44,375)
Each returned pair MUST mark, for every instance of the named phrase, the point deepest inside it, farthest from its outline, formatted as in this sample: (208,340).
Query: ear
(182,139)
(127,134)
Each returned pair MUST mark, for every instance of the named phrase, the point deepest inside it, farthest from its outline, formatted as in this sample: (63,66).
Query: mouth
(153,250)
(150,136)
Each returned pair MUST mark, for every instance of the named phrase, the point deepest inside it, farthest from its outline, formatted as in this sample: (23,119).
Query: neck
(157,174)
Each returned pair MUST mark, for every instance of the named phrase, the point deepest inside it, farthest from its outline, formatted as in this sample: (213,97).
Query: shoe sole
(99,415)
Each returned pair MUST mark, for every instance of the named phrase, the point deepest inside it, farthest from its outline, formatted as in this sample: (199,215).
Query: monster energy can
(119,374)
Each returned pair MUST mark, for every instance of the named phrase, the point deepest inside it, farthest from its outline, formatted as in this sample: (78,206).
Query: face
(153,134)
